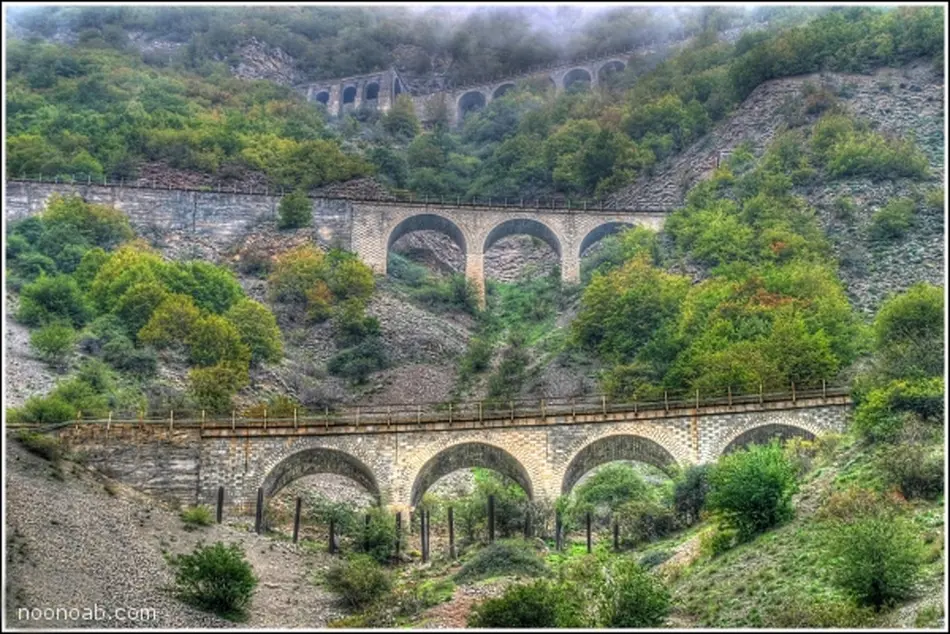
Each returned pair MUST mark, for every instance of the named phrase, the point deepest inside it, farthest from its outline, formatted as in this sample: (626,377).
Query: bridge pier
(475,271)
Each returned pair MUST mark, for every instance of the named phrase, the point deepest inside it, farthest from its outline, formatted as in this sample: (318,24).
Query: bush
(135,307)
(882,413)
(216,578)
(123,356)
(689,493)
(212,388)
(358,362)
(893,220)
(171,323)
(815,612)
(632,597)
(102,226)
(541,604)
(915,470)
(54,342)
(654,559)
(215,340)
(360,580)
(378,539)
(53,299)
(44,410)
(197,516)
(609,488)
(645,521)
(295,211)
(933,200)
(503,557)
(908,333)
(876,558)
(258,329)
(295,273)
(47,447)
(718,540)
(752,489)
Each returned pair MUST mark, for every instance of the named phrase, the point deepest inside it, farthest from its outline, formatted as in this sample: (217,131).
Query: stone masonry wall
(546,454)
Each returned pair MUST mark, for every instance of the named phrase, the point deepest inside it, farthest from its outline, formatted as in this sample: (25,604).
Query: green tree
(401,121)
(258,329)
(294,211)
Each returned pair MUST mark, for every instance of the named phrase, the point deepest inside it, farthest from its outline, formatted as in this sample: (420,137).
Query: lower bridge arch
(319,460)
(464,456)
(764,433)
(613,448)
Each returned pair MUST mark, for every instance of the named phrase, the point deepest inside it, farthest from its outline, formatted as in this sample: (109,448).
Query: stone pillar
(570,268)
(475,271)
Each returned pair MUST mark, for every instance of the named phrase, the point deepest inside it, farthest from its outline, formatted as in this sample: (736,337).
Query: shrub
(32,265)
(54,342)
(541,604)
(855,502)
(815,612)
(171,323)
(213,340)
(718,540)
(212,387)
(216,578)
(933,200)
(214,288)
(657,557)
(378,539)
(503,557)
(753,488)
(295,211)
(893,220)
(47,447)
(632,597)
(689,493)
(876,558)
(844,208)
(44,410)
(197,516)
(882,413)
(134,309)
(908,332)
(258,330)
(360,580)
(358,362)
(51,299)
(349,278)
(295,273)
(915,470)
(478,356)
(123,356)
(645,521)
(102,226)
(610,487)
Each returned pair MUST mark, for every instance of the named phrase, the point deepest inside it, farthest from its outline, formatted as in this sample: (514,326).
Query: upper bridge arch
(600,232)
(764,433)
(576,75)
(502,90)
(471,101)
(428,222)
(611,66)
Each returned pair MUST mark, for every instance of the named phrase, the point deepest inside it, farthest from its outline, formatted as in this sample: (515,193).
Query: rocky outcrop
(261,61)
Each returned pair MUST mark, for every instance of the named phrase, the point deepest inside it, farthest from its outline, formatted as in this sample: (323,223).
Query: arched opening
(466,456)
(501,90)
(431,241)
(611,68)
(601,232)
(371,92)
(578,78)
(623,447)
(764,434)
(323,97)
(349,95)
(521,248)
(319,476)
(472,101)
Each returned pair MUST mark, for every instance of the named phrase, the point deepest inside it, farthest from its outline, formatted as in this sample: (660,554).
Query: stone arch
(323,97)
(464,456)
(318,460)
(349,95)
(526,226)
(575,75)
(427,222)
(371,92)
(471,101)
(615,447)
(764,433)
(501,90)
(600,232)
(613,66)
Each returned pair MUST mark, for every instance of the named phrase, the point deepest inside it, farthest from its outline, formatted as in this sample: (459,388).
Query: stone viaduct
(379,90)
(369,228)
(546,451)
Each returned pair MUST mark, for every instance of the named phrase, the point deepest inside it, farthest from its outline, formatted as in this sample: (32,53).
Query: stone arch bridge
(397,458)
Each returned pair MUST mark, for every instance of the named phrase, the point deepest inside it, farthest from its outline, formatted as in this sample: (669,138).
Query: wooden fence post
(557,531)
(451,533)
(297,519)
(220,509)
(587,518)
(259,515)
(331,546)
(491,519)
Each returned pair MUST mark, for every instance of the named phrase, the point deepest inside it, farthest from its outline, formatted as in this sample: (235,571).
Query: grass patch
(196,517)
(504,557)
(46,447)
